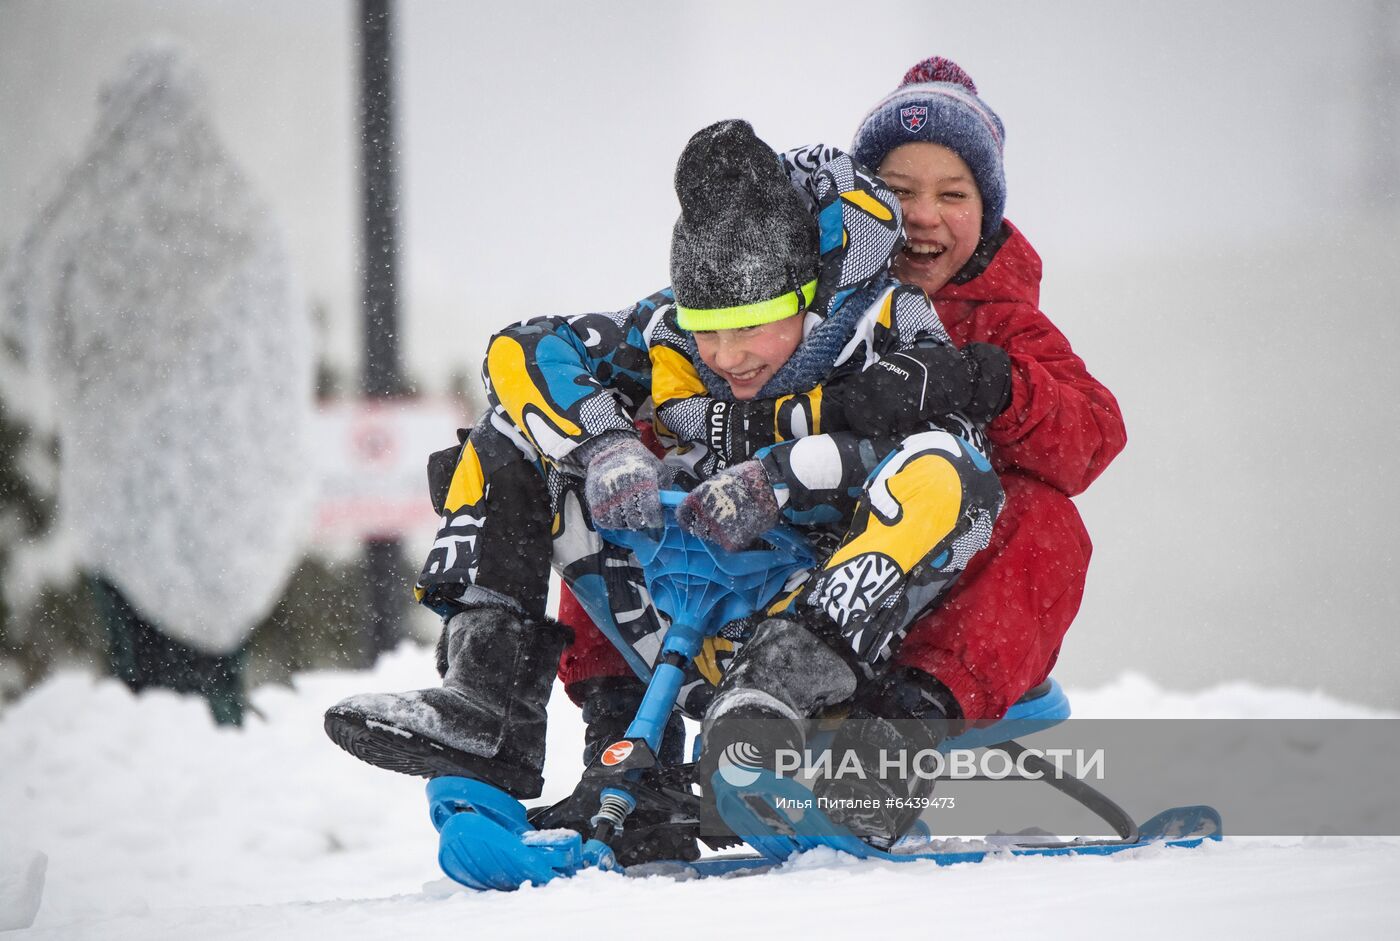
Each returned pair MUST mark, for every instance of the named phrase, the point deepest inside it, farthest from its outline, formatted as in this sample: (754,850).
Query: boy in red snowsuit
(998,632)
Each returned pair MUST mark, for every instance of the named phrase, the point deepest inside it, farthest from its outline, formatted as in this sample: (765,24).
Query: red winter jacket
(998,631)
(1062,426)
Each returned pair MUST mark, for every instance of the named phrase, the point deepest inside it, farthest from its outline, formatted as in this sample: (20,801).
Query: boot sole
(386,746)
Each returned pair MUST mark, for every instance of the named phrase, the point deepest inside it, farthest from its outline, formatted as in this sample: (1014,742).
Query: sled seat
(1040,708)
(1035,692)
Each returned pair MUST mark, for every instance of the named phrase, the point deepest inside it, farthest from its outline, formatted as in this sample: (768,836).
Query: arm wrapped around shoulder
(732,508)
(904,389)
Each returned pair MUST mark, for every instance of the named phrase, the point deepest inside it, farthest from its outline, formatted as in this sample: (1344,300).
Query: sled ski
(503,846)
(1182,827)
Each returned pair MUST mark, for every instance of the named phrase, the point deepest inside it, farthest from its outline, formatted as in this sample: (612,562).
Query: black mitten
(991,382)
(901,391)
(905,389)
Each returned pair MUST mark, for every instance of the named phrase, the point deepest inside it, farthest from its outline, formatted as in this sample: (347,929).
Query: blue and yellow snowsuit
(895,520)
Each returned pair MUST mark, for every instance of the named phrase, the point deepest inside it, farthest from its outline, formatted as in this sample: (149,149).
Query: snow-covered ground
(156,824)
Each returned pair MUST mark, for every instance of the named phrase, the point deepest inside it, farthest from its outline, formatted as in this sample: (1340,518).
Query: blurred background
(1214,189)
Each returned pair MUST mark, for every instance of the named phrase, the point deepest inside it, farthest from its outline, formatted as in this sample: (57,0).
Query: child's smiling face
(942,212)
(747,357)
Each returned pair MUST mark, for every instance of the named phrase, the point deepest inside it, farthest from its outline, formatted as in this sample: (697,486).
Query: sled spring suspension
(612,812)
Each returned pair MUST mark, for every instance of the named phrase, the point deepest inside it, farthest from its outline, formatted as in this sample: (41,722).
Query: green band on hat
(746,315)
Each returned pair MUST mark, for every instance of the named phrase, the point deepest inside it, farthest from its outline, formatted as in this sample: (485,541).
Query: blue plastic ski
(779,834)
(486,842)
(1180,826)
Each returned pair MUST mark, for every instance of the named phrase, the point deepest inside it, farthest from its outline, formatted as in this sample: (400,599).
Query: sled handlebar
(704,585)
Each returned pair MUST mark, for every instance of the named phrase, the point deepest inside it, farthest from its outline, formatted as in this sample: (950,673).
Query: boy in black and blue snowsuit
(780,287)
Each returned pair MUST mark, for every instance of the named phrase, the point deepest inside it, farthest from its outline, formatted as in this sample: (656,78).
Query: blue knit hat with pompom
(937,103)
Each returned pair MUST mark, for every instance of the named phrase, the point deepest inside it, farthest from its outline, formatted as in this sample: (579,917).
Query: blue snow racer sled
(489,840)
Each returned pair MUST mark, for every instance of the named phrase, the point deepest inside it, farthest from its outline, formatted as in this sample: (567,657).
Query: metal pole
(382,376)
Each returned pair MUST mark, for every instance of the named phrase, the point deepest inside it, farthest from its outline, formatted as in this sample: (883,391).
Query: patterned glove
(623,482)
(732,508)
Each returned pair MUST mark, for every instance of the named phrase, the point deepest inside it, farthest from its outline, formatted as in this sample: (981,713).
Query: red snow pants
(995,635)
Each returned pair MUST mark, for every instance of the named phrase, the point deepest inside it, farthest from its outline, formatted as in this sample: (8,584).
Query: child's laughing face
(747,357)
(942,212)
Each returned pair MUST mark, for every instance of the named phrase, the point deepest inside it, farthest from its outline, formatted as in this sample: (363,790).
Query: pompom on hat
(937,103)
(744,250)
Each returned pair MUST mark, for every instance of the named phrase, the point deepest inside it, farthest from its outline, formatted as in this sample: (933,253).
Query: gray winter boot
(486,721)
(907,713)
(780,679)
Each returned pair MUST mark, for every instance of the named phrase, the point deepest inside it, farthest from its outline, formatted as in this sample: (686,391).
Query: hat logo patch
(913,117)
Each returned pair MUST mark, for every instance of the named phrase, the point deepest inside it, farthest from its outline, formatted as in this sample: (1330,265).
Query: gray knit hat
(744,250)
